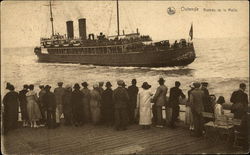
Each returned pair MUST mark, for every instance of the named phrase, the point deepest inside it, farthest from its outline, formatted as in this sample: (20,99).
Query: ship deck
(90,139)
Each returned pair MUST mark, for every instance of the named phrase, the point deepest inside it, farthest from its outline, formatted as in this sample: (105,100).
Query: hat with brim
(76,86)
(60,83)
(120,82)
(161,80)
(85,84)
(47,87)
(204,84)
(95,85)
(197,84)
(108,84)
(145,85)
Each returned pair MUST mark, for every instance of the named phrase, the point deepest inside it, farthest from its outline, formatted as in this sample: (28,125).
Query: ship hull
(170,57)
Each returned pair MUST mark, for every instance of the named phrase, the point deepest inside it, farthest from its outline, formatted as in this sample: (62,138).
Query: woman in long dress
(144,104)
(188,114)
(34,112)
(95,105)
(10,115)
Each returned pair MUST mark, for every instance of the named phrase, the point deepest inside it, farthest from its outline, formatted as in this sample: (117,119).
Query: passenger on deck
(10,102)
(49,101)
(23,105)
(196,102)
(86,105)
(132,92)
(67,105)
(240,102)
(144,98)
(188,114)
(41,104)
(159,100)
(218,109)
(77,105)
(59,91)
(121,99)
(175,94)
(207,103)
(95,104)
(100,88)
(34,112)
(107,106)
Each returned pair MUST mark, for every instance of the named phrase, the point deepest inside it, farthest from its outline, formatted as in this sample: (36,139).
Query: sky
(24,22)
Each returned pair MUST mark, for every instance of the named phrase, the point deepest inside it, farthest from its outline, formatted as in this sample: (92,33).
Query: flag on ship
(191,32)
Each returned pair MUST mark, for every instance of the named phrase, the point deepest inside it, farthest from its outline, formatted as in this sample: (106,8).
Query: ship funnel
(82,28)
(70,29)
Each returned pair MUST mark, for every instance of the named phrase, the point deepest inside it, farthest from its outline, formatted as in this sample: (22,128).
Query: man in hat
(49,101)
(59,91)
(175,94)
(41,105)
(121,98)
(77,105)
(86,102)
(207,104)
(107,106)
(132,92)
(196,102)
(159,100)
(100,88)
(240,102)
(23,105)
(67,105)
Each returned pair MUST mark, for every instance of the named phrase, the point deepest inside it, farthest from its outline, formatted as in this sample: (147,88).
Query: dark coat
(23,104)
(77,99)
(107,98)
(239,97)
(174,96)
(196,100)
(121,98)
(10,102)
(66,101)
(49,100)
(208,107)
(132,92)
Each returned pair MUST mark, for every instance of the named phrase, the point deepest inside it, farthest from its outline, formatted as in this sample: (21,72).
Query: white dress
(144,105)
(218,110)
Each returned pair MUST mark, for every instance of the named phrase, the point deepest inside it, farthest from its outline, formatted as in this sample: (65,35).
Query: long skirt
(188,116)
(33,111)
(145,116)
(95,111)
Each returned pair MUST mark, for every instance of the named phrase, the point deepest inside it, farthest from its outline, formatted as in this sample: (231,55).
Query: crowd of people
(116,108)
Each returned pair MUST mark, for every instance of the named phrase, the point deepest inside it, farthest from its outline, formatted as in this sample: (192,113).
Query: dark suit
(132,92)
(196,102)
(49,100)
(121,98)
(175,94)
(240,103)
(107,107)
(23,104)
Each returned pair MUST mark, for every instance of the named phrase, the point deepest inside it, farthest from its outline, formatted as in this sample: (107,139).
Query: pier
(90,139)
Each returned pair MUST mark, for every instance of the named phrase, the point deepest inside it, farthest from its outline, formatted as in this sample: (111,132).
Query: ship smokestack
(82,28)
(70,29)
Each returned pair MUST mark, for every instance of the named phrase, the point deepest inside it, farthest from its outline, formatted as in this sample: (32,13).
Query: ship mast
(51,18)
(118,29)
